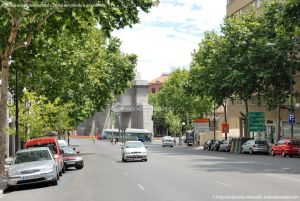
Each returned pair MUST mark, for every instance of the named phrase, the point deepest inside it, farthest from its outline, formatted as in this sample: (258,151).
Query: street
(171,174)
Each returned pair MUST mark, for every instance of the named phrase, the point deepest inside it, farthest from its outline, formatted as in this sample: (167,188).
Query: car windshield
(31,156)
(134,145)
(51,146)
(68,150)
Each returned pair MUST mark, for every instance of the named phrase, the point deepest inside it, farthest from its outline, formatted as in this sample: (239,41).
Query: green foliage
(174,122)
(86,69)
(37,115)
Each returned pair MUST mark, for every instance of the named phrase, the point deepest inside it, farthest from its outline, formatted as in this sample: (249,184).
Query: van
(52,144)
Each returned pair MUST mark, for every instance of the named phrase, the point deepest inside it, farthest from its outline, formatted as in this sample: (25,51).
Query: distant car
(286,147)
(72,158)
(52,144)
(34,165)
(134,150)
(207,144)
(99,137)
(170,141)
(216,145)
(255,146)
(225,146)
(62,143)
(189,139)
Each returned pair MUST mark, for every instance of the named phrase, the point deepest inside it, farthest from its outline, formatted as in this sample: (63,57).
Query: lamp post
(182,132)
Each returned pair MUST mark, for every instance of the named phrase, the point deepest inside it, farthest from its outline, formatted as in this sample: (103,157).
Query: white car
(33,165)
(134,150)
(168,141)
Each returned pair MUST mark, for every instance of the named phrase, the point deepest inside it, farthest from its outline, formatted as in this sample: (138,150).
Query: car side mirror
(78,152)
(8,161)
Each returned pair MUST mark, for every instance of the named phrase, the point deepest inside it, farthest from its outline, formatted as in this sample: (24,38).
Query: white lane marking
(126,174)
(221,183)
(141,187)
(285,168)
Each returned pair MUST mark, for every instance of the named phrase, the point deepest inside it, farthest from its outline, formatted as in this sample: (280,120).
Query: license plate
(30,177)
(71,163)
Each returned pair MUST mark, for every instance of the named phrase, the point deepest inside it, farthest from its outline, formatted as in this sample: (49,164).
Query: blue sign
(292,119)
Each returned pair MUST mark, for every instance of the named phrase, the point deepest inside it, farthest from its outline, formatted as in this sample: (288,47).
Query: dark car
(216,145)
(225,146)
(207,144)
(72,158)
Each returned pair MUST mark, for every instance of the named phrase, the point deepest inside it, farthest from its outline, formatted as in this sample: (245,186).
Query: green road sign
(256,121)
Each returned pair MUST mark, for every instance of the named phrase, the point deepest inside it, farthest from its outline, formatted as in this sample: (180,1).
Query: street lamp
(182,133)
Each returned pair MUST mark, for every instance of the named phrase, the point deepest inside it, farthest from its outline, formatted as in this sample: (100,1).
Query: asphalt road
(171,174)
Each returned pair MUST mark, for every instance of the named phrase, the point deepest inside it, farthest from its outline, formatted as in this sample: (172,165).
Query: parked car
(286,147)
(170,141)
(134,150)
(216,145)
(52,144)
(207,144)
(72,158)
(34,165)
(225,146)
(255,146)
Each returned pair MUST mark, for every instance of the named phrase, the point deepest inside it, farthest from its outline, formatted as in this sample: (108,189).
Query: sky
(166,37)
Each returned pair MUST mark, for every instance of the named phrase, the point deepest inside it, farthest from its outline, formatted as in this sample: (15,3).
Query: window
(153,90)
(228,1)
(258,3)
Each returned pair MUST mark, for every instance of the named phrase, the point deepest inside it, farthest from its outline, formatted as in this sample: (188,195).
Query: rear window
(260,142)
(294,142)
(52,146)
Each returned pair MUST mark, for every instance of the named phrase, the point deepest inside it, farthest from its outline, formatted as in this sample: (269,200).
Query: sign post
(256,121)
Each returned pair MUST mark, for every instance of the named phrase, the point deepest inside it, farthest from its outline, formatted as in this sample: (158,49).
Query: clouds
(167,35)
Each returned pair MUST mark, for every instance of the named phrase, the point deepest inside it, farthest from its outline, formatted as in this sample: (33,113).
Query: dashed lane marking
(221,183)
(141,187)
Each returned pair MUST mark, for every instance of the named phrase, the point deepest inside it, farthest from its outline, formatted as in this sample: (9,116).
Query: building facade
(156,84)
(130,110)
(236,107)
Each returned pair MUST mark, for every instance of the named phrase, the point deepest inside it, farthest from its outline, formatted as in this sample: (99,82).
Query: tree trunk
(225,116)
(3,112)
(246,118)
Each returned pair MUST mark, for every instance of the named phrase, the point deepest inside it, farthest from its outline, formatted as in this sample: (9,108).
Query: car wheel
(272,153)
(54,182)
(283,153)
(64,169)
(60,173)
(250,151)
(146,160)
(79,167)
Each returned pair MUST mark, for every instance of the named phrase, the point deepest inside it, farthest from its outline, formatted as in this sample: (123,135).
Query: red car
(286,147)
(99,137)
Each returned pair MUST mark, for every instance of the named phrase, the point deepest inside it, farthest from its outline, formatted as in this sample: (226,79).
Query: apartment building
(156,84)
(236,107)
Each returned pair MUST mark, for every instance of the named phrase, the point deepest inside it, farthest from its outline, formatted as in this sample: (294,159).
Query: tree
(175,100)
(209,70)
(20,24)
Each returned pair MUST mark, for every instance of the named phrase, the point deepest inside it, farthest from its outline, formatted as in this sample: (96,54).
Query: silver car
(34,165)
(255,146)
(134,150)
(168,142)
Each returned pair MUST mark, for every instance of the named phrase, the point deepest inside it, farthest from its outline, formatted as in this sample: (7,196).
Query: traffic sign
(292,119)
(256,121)
(225,128)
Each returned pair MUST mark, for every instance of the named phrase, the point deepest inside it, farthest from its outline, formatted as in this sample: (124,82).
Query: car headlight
(48,168)
(78,158)
(12,172)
